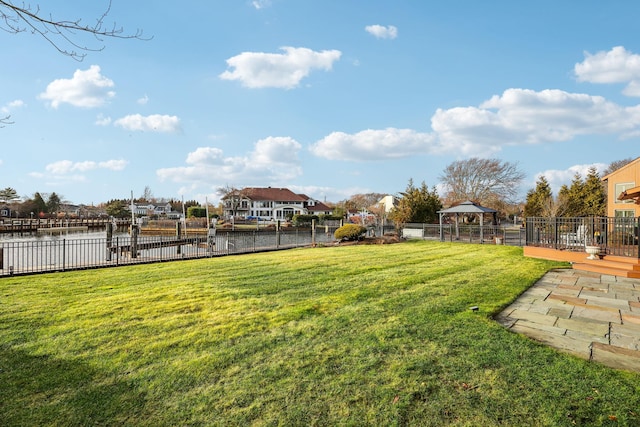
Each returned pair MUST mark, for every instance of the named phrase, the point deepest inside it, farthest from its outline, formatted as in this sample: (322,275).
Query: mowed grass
(357,335)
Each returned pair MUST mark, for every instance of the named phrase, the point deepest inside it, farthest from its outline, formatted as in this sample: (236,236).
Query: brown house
(623,191)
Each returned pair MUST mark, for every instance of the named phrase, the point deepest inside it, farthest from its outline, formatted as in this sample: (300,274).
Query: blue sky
(328,98)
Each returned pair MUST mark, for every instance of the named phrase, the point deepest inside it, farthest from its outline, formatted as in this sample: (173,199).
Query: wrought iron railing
(62,254)
(614,235)
(469,233)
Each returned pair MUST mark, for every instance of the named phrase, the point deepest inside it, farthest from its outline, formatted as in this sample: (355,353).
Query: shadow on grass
(40,390)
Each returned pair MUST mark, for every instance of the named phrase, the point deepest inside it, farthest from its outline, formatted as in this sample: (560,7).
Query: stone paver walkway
(591,315)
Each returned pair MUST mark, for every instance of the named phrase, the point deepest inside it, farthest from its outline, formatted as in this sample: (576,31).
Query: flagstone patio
(594,316)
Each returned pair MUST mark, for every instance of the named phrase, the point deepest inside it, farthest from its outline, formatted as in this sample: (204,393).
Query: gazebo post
(481,230)
(441,230)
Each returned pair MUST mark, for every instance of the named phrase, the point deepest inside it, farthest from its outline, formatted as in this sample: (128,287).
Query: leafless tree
(617,164)
(232,198)
(484,181)
(147,195)
(64,35)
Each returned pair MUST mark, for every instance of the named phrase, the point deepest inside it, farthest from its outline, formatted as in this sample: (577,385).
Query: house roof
(468,207)
(628,165)
(319,207)
(272,194)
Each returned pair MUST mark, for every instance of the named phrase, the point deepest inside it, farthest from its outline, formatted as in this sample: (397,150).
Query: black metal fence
(614,235)
(497,234)
(39,256)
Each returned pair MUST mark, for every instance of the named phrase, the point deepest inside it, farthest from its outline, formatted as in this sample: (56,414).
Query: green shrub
(196,212)
(304,220)
(350,232)
(331,217)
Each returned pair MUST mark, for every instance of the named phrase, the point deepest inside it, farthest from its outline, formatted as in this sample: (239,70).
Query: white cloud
(373,144)
(143,101)
(521,116)
(278,70)
(330,194)
(615,66)
(382,32)
(152,123)
(114,165)
(274,160)
(557,178)
(101,120)
(205,156)
(87,89)
(261,4)
(64,167)
(12,105)
(517,117)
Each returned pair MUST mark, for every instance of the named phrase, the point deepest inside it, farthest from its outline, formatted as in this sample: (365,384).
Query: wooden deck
(607,264)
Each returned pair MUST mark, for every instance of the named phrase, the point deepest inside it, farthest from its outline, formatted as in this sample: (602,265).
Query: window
(619,188)
(624,213)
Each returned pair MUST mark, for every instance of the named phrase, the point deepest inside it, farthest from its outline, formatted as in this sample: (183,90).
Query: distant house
(388,203)
(314,207)
(270,204)
(623,191)
(5,212)
(149,209)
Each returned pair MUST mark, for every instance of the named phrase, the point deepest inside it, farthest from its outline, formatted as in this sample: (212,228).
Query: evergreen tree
(39,203)
(53,203)
(416,205)
(575,197)
(8,195)
(594,199)
(563,200)
(118,209)
(538,199)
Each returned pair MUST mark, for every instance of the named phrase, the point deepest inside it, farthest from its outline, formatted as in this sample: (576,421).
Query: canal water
(39,252)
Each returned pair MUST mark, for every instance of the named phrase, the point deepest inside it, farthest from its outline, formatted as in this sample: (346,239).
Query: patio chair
(578,238)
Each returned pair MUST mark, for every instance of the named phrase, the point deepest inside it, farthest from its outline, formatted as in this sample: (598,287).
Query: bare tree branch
(5,121)
(485,181)
(62,34)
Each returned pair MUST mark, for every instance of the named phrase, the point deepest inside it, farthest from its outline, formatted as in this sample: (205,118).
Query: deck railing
(614,235)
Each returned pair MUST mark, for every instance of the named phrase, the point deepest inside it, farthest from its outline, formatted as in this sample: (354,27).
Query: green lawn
(356,335)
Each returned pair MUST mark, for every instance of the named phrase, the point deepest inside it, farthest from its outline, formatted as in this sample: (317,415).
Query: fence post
(1,258)
(313,232)
(178,237)
(109,239)
(64,253)
(134,241)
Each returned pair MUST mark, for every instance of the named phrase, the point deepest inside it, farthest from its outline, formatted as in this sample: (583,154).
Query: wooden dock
(42,225)
(163,243)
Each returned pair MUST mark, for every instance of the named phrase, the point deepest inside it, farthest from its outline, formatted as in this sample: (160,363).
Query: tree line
(489,182)
(583,197)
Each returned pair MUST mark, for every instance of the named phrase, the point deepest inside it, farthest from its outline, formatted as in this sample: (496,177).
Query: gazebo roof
(467,207)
